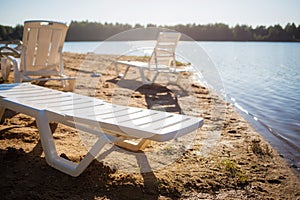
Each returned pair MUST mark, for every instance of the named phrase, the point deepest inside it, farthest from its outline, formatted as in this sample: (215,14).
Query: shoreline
(227,159)
(286,150)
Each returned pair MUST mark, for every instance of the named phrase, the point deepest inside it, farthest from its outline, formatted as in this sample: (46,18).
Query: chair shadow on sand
(157,97)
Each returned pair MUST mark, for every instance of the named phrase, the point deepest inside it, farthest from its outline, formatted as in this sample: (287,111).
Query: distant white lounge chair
(41,53)
(8,48)
(162,59)
(111,123)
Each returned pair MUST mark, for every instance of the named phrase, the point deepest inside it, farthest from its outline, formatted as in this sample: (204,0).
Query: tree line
(93,31)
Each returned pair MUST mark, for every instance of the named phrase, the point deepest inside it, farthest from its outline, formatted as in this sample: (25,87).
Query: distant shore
(93,31)
(227,158)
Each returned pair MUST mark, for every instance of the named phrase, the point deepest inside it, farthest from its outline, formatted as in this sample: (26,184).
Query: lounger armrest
(4,51)
(16,66)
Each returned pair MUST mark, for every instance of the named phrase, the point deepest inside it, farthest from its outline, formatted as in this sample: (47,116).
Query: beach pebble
(95,75)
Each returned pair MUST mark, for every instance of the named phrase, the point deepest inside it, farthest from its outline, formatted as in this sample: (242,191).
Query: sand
(225,159)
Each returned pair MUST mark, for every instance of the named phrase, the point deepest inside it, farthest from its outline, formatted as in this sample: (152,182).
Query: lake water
(261,79)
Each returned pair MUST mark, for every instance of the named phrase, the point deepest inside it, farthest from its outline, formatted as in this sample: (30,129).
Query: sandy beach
(225,159)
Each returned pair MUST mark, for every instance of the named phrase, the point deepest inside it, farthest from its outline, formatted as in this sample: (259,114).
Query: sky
(159,12)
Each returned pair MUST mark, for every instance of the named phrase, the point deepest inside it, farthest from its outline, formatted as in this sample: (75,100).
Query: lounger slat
(90,111)
(133,116)
(82,113)
(133,63)
(74,102)
(113,117)
(51,102)
(30,94)
(114,113)
(52,97)
(18,89)
(53,58)
(147,120)
(33,95)
(43,45)
(120,113)
(30,48)
(186,123)
(105,109)
(169,119)
(21,91)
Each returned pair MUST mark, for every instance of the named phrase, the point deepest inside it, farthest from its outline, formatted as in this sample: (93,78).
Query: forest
(95,31)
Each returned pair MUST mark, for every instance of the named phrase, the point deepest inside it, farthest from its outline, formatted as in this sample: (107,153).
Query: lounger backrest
(42,47)
(164,51)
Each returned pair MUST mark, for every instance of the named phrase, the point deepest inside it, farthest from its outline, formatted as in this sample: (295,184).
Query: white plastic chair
(162,59)
(41,54)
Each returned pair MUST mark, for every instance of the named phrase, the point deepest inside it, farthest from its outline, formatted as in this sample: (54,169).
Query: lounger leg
(155,76)
(5,68)
(118,72)
(142,73)
(117,69)
(2,110)
(132,146)
(63,83)
(60,163)
(126,70)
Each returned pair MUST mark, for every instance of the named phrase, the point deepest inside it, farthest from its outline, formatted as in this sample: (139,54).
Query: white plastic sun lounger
(162,59)
(111,123)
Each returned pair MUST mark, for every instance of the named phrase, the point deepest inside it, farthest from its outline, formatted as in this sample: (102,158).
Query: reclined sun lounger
(162,59)
(111,123)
